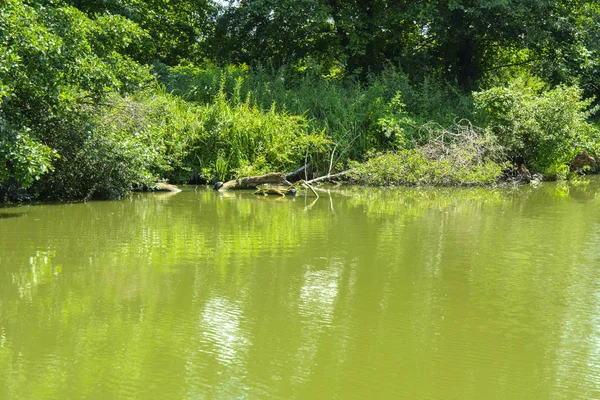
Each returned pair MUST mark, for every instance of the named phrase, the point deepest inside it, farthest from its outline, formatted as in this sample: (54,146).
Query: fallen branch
(165,187)
(306,185)
(275,178)
(251,182)
(329,176)
(298,174)
(277,192)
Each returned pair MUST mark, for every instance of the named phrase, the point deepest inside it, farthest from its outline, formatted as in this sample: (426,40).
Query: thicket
(520,120)
(219,139)
(57,65)
(383,113)
(457,155)
(100,97)
(540,127)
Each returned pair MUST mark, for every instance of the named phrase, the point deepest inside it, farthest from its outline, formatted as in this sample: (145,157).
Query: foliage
(175,30)
(357,117)
(460,40)
(54,60)
(221,139)
(543,129)
(267,32)
(265,85)
(250,141)
(454,156)
(25,159)
(97,161)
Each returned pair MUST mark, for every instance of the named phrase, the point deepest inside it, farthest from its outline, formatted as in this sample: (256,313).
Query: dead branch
(329,176)
(165,187)
(331,160)
(275,178)
(306,185)
(276,192)
(298,174)
(251,182)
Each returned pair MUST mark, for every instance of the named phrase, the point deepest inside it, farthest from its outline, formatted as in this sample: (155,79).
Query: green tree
(56,63)
(177,29)
(274,32)
(466,38)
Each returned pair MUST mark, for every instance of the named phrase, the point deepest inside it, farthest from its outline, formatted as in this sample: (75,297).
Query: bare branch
(329,177)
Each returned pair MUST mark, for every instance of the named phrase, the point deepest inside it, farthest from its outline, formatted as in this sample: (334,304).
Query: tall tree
(274,32)
(362,34)
(178,29)
(458,39)
(470,37)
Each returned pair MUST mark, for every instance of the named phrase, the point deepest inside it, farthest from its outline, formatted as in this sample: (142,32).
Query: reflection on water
(41,270)
(222,333)
(4,215)
(365,293)
(318,294)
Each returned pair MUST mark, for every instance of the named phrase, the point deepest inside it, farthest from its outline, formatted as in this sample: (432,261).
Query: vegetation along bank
(99,98)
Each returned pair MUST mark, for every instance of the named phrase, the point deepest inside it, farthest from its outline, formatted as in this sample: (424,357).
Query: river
(416,293)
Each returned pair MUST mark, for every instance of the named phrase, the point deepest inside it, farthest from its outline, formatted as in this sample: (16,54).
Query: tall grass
(540,126)
(355,115)
(221,139)
(229,122)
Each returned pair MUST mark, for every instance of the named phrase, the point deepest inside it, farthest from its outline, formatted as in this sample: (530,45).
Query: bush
(242,140)
(356,116)
(543,129)
(221,139)
(105,165)
(54,62)
(455,156)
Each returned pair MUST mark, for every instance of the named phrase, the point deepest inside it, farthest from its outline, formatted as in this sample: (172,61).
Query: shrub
(455,156)
(54,62)
(221,139)
(356,116)
(542,129)
(103,166)
(95,161)
(248,141)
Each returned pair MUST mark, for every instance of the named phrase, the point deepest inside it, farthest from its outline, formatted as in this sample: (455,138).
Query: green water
(398,293)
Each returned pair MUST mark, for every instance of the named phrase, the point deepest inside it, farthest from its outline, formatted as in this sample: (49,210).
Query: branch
(331,160)
(251,182)
(328,176)
(512,64)
(305,184)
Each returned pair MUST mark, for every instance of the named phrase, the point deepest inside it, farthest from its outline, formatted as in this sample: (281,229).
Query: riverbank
(88,114)
(155,135)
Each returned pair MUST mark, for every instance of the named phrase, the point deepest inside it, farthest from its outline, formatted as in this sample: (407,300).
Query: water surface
(363,293)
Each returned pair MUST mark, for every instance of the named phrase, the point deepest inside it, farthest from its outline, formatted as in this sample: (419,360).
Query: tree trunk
(251,182)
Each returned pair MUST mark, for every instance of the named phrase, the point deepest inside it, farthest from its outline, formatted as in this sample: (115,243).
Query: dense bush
(96,161)
(221,139)
(356,116)
(56,62)
(543,129)
(455,156)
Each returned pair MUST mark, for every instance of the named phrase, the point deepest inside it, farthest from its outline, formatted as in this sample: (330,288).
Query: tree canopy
(460,39)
